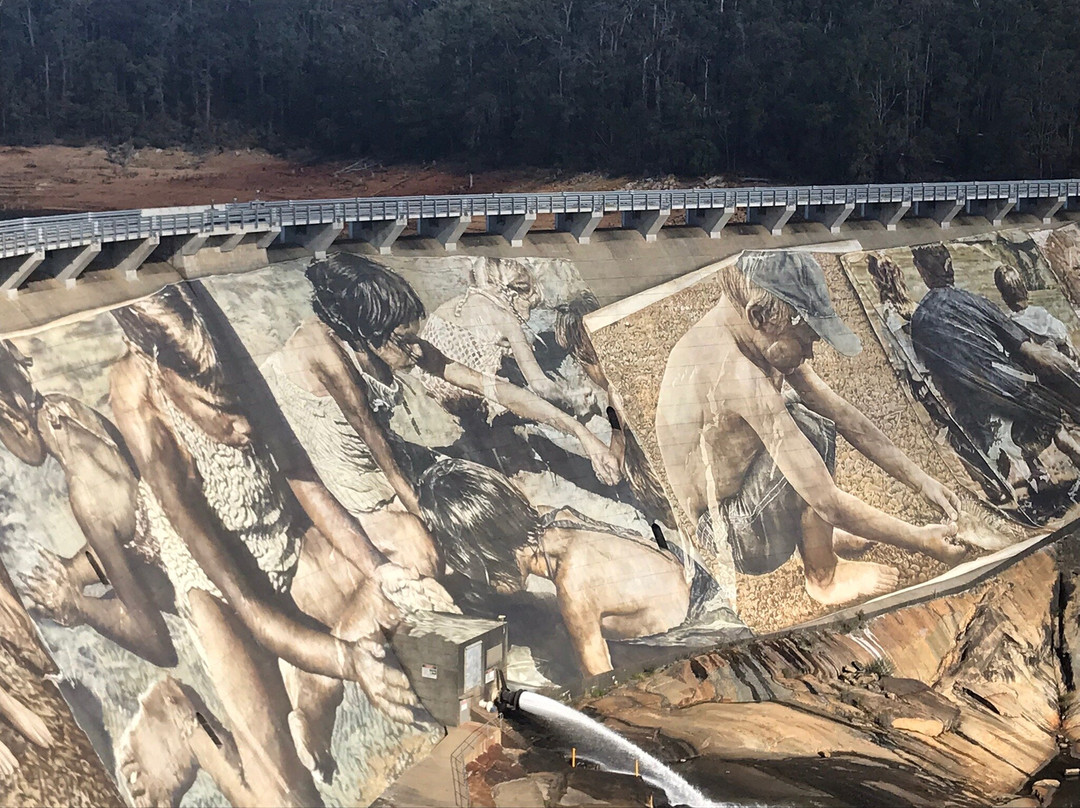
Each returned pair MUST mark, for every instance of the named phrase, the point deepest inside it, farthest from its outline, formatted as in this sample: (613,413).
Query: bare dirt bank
(65,179)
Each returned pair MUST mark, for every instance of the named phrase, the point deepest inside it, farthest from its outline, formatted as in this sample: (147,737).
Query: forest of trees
(796,90)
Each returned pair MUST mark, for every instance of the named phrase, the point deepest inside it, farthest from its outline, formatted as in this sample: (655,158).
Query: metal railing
(462,756)
(30,235)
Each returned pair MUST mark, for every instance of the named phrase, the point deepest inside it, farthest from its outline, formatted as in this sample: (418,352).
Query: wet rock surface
(949,702)
(541,776)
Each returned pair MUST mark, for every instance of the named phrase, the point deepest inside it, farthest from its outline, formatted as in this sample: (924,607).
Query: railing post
(576,212)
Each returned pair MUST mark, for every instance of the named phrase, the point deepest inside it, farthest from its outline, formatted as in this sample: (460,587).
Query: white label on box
(429,671)
(474,665)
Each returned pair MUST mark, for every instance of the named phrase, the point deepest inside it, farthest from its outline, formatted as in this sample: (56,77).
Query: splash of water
(611,751)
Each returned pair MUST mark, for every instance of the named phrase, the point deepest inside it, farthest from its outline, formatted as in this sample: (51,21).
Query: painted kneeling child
(610,582)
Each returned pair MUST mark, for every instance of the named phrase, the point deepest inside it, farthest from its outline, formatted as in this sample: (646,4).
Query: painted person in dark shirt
(1004,386)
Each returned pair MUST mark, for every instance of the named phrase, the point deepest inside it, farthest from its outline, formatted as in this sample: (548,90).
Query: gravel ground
(1062,250)
(634,353)
(67,774)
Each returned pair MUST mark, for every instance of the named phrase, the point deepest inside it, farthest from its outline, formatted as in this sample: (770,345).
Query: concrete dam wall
(269,526)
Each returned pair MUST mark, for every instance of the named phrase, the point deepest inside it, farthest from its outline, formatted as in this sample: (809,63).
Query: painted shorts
(763,521)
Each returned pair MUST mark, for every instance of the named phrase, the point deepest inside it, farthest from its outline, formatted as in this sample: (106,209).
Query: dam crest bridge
(64,247)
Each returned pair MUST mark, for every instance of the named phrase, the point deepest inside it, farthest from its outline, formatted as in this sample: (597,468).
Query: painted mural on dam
(981,336)
(45,759)
(463,396)
(797,462)
(227,496)
(173,558)
(1061,249)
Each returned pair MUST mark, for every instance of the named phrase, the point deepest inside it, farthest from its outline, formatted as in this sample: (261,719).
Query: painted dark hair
(891,286)
(1010,284)
(478,518)
(570,331)
(934,265)
(360,300)
(168,328)
(15,383)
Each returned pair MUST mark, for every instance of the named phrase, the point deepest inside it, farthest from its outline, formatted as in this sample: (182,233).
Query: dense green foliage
(808,90)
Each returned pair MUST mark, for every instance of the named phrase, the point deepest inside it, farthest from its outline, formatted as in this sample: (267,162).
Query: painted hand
(397,591)
(580,401)
(939,541)
(604,463)
(941,498)
(1057,362)
(382,681)
(52,591)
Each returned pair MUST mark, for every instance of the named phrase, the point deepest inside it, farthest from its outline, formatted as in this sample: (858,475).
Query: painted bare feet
(852,580)
(154,757)
(312,749)
(8,762)
(52,591)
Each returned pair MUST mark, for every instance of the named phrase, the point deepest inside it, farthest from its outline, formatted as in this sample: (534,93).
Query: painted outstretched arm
(337,374)
(525,404)
(335,523)
(130,618)
(170,473)
(387,582)
(344,531)
(870,441)
(583,623)
(55,587)
(102,492)
(807,473)
(535,378)
(178,490)
(1054,370)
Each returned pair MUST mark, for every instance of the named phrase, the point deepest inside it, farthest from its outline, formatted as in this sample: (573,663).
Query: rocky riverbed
(962,700)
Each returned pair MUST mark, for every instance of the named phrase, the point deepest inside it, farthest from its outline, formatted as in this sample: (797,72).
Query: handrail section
(45,233)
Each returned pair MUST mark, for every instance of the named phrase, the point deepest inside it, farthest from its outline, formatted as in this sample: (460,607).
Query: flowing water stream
(596,743)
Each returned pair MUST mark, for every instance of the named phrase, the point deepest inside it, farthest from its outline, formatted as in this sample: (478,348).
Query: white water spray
(611,751)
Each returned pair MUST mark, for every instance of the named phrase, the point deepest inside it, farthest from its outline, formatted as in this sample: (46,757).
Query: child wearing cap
(747,431)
